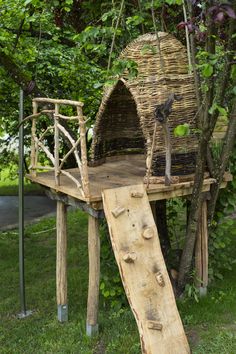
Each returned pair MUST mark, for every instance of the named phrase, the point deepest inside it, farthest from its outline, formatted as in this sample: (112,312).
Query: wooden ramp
(142,267)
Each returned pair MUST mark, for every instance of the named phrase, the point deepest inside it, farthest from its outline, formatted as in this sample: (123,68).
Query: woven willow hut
(125,120)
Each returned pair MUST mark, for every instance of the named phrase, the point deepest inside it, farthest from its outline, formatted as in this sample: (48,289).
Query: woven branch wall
(125,120)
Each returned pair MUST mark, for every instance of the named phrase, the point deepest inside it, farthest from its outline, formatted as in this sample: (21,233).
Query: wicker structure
(125,120)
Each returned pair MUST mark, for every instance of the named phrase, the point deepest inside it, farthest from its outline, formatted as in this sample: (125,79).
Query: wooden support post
(94,276)
(159,214)
(153,207)
(201,252)
(56,145)
(83,147)
(61,266)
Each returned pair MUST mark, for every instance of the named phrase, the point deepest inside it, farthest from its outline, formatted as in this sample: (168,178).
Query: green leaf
(222,111)
(112,292)
(234,90)
(106,293)
(215,107)
(233,72)
(98,85)
(182,130)
(212,108)
(174,2)
(135,20)
(207,70)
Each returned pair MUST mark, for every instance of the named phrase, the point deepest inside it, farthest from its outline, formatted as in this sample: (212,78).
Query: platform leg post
(94,276)
(201,252)
(159,214)
(154,213)
(61,262)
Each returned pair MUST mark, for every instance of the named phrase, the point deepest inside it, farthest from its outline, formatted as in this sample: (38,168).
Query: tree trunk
(187,255)
(18,76)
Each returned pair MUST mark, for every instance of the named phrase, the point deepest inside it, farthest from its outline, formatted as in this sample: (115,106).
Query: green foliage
(207,70)
(110,286)
(174,2)
(65,50)
(215,107)
(210,63)
(135,20)
(182,130)
(220,242)
(223,231)
(125,67)
(192,292)
(233,72)
(176,221)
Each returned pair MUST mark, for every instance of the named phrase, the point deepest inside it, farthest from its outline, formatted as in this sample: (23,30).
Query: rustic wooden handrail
(37,142)
(57,101)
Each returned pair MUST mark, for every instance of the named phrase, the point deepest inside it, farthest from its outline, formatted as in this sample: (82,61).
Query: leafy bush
(110,286)
(223,229)
(220,241)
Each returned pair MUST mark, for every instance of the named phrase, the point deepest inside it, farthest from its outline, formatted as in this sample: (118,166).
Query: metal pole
(23,313)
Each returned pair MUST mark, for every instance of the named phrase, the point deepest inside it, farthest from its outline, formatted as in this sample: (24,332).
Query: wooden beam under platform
(68,200)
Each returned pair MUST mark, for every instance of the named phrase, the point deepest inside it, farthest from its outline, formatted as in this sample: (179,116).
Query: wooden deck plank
(115,174)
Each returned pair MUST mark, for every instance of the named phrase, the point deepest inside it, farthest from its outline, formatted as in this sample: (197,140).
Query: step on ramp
(143,271)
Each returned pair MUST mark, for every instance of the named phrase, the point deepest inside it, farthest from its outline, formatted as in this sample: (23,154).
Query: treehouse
(132,152)
(125,121)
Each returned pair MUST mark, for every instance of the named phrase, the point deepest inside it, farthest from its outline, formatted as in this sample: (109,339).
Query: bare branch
(114,35)
(224,159)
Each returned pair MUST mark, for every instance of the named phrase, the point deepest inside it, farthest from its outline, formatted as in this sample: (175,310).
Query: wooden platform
(115,174)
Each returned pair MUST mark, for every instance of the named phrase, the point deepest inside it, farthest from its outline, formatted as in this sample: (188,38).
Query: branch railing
(37,143)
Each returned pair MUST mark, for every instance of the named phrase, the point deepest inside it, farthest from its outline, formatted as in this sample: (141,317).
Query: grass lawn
(210,324)
(9,185)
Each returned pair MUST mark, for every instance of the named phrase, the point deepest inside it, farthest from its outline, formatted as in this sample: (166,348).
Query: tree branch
(18,32)
(227,148)
(21,78)
(114,35)
(196,200)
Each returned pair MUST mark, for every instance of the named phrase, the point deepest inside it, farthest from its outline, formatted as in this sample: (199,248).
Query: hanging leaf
(212,108)
(222,111)
(233,72)
(207,70)
(135,20)
(174,2)
(182,130)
